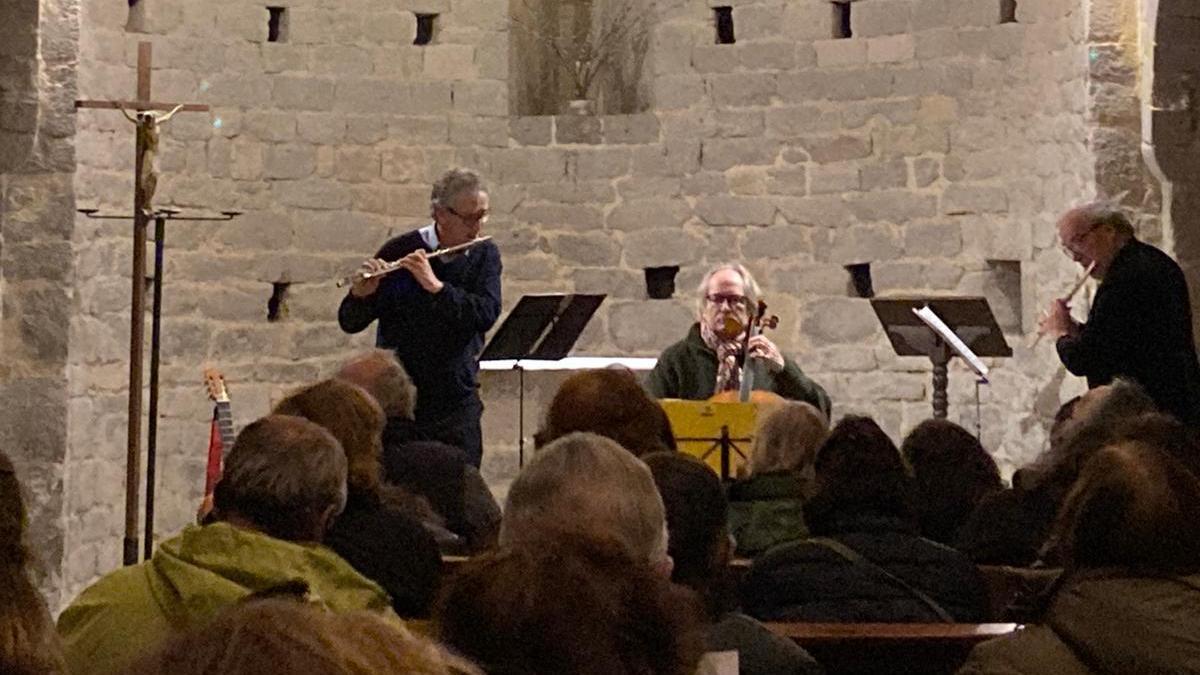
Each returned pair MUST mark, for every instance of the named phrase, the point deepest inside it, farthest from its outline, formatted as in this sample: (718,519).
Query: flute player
(1140,323)
(434,313)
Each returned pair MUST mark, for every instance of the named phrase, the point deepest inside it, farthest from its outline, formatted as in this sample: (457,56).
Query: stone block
(479,131)
(408,200)
(404,165)
(529,165)
(577,129)
(852,84)
(648,213)
(791,121)
(425,130)
(769,56)
(858,244)
(240,90)
(247,160)
(895,112)
(740,124)
(492,59)
(892,277)
(968,199)
(936,44)
(623,129)
(302,93)
(366,129)
(833,53)
(715,58)
(890,49)
(589,163)
(675,92)
(633,334)
(885,175)
(312,194)
(635,187)
(672,158)
(823,210)
(891,142)
(834,178)
(660,246)
(794,180)
(703,183)
(531,130)
(807,21)
(720,154)
(270,126)
(289,161)
(481,97)
(881,17)
(826,149)
(932,240)
(721,210)
(590,249)
(551,216)
(573,192)
(398,27)
(357,164)
(450,62)
(775,242)
(743,89)
(747,180)
(617,283)
(838,321)
(759,22)
(893,206)
(808,279)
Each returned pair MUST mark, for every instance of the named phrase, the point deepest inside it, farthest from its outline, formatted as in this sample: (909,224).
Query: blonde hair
(787,439)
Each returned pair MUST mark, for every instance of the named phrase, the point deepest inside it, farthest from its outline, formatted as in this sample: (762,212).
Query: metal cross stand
(145,178)
(160,226)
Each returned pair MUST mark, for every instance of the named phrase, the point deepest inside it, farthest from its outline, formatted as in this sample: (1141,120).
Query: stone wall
(936,144)
(37,85)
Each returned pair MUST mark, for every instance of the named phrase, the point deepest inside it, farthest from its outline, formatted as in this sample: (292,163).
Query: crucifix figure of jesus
(146,116)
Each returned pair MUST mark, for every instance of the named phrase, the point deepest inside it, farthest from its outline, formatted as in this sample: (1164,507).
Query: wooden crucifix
(147,117)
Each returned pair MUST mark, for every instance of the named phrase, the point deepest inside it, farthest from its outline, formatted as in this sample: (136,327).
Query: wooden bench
(890,647)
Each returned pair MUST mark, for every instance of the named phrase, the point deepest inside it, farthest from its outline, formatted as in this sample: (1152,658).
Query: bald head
(381,375)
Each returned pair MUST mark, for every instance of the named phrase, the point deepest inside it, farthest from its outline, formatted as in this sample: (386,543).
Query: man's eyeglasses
(480,217)
(1072,245)
(730,299)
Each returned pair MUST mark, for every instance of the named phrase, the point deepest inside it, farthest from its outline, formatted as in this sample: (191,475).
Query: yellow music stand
(717,433)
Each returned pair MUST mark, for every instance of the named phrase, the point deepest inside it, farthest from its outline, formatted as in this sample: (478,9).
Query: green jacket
(191,577)
(766,510)
(688,370)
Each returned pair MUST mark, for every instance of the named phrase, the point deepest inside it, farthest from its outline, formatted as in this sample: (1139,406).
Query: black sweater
(437,337)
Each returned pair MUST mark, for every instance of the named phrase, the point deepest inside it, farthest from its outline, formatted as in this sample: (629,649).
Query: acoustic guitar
(220,436)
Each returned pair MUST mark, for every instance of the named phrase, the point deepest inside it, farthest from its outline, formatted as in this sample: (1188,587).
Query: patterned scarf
(729,375)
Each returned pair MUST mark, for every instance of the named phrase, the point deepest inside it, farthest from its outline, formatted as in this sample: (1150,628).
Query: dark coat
(1008,527)
(1140,327)
(1105,623)
(766,510)
(760,652)
(805,581)
(445,478)
(392,549)
(438,337)
(688,370)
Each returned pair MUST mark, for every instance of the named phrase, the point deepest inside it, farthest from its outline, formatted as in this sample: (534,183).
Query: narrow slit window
(860,280)
(1008,11)
(277,24)
(425,25)
(660,281)
(277,309)
(841,21)
(724,19)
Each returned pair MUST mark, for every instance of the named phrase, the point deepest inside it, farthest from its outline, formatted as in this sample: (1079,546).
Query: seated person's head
(284,476)
(697,524)
(787,439)
(1134,507)
(725,297)
(28,641)
(568,606)
(355,420)
(286,636)
(612,403)
(859,472)
(380,374)
(951,474)
(584,483)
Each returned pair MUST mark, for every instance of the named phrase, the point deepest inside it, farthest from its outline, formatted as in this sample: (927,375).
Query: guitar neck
(225,424)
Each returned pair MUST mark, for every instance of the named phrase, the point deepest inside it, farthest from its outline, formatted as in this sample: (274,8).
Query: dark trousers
(459,427)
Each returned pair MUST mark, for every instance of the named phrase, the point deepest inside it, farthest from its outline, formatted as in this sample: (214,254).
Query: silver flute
(390,267)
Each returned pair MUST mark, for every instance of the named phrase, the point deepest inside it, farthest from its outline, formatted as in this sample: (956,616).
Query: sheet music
(943,331)
(572,363)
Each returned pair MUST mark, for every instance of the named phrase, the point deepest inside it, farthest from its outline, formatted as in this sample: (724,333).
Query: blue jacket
(438,337)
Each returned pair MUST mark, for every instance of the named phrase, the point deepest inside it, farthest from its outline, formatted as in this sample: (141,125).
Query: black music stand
(939,328)
(542,327)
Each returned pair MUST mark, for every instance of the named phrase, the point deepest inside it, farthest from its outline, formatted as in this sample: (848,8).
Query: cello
(751,365)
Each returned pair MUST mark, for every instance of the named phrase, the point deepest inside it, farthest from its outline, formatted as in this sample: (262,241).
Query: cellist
(710,359)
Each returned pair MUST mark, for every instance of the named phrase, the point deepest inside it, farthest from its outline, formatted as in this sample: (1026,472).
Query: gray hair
(381,374)
(283,473)
(787,439)
(1103,212)
(751,289)
(453,183)
(587,484)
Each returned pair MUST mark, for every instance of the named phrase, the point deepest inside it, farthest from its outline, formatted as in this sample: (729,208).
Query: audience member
(440,473)
(1011,526)
(866,562)
(699,544)
(612,403)
(569,606)
(28,642)
(766,508)
(265,637)
(379,532)
(284,482)
(952,473)
(1129,598)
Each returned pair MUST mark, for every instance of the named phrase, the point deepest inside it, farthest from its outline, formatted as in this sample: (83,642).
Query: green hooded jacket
(191,577)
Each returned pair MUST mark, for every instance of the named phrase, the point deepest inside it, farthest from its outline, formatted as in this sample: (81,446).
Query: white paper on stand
(943,331)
